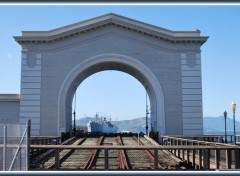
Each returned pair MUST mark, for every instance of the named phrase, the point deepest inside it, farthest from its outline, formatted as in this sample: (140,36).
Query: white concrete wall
(172,64)
(9,108)
(192,93)
(30,91)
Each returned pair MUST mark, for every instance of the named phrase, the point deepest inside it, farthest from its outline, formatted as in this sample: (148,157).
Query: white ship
(101,125)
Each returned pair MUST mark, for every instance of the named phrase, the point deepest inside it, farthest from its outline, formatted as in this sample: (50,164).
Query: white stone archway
(167,62)
(101,62)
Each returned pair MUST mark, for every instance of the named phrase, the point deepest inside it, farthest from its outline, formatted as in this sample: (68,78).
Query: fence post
(228,158)
(183,151)
(56,158)
(4,147)
(171,143)
(193,157)
(28,144)
(175,144)
(106,158)
(182,143)
(188,156)
(236,158)
(200,158)
(206,159)
(156,159)
(178,150)
(20,159)
(217,158)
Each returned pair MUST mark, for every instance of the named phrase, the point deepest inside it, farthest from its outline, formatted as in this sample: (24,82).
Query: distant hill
(83,121)
(134,125)
(216,125)
(212,125)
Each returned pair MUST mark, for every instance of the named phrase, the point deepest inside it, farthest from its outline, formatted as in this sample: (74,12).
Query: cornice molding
(9,97)
(110,20)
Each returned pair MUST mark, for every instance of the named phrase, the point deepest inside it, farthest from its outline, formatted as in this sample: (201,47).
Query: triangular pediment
(105,21)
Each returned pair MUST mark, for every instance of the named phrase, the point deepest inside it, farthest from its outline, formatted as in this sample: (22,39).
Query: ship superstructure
(101,125)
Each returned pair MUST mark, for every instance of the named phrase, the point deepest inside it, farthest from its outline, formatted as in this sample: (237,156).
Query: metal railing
(14,147)
(207,138)
(198,155)
(45,140)
(218,155)
(132,173)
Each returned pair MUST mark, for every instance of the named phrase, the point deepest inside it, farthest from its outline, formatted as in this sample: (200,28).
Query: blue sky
(220,54)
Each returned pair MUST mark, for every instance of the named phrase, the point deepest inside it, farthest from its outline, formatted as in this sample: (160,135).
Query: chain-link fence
(14,147)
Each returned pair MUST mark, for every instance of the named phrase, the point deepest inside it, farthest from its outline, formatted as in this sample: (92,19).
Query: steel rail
(93,155)
(149,155)
(46,155)
(120,173)
(66,155)
(162,147)
(122,155)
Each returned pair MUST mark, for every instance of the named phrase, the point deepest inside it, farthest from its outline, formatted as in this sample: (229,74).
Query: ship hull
(94,127)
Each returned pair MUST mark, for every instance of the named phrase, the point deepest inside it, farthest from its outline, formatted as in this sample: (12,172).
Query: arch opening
(115,62)
(115,95)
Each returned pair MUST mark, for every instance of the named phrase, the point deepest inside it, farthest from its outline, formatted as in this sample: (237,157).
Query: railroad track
(137,158)
(123,159)
(50,164)
(79,158)
(94,159)
(166,159)
(112,155)
(39,157)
